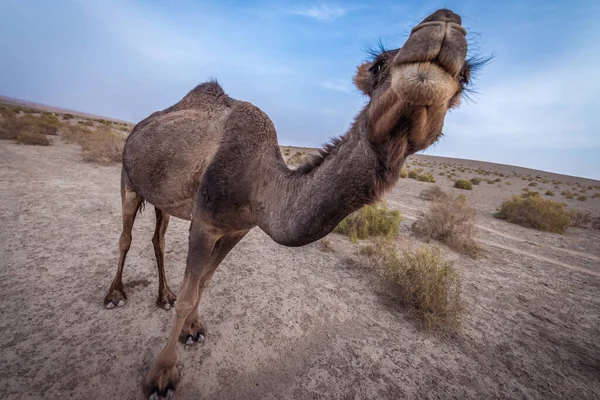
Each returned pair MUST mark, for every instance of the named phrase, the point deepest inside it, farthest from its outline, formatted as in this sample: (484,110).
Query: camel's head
(421,80)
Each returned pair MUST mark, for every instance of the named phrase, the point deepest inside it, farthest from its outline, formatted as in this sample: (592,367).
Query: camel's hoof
(166,299)
(115,298)
(154,396)
(193,333)
(199,338)
(161,383)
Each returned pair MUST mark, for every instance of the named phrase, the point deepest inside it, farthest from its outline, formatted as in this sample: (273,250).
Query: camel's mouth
(426,69)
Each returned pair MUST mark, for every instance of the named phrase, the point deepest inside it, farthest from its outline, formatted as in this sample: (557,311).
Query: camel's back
(167,153)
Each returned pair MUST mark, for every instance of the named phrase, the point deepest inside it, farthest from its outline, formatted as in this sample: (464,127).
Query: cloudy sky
(538,101)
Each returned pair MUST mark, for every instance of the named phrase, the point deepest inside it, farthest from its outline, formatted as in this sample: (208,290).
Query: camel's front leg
(163,376)
(194,329)
(205,255)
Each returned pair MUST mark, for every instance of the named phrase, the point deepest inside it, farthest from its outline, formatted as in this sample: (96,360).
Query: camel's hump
(205,92)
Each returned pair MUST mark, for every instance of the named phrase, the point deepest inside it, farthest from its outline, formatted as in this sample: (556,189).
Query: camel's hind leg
(166,298)
(130,203)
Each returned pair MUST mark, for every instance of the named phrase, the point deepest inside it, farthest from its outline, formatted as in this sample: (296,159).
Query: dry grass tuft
(102,145)
(30,136)
(370,221)
(299,158)
(427,281)
(433,193)
(426,178)
(451,221)
(580,219)
(533,211)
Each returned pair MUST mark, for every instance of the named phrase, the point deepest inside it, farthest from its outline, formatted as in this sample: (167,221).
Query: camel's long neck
(301,206)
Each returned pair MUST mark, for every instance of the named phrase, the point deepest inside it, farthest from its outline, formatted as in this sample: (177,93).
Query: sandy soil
(284,323)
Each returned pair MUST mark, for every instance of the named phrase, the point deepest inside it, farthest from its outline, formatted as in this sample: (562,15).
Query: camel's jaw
(426,70)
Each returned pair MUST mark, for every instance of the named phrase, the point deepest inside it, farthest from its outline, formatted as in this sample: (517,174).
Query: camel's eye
(375,69)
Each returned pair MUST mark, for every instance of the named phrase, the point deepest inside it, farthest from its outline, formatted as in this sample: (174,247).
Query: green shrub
(413,174)
(425,279)
(475,181)
(403,174)
(535,212)
(370,220)
(463,184)
(426,178)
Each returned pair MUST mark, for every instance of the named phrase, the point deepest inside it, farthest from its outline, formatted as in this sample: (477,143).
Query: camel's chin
(423,84)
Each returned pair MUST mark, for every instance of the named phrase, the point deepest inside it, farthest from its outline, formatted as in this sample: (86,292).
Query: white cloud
(550,106)
(322,12)
(340,85)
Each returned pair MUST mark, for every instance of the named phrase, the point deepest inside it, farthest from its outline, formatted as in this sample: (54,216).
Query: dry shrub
(427,281)
(450,221)
(30,136)
(10,124)
(475,181)
(101,145)
(596,223)
(433,193)
(299,158)
(549,193)
(370,221)
(463,184)
(582,198)
(580,219)
(403,174)
(413,174)
(535,212)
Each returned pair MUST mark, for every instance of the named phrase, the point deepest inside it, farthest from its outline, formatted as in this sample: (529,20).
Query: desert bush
(433,193)
(102,145)
(596,223)
(450,221)
(596,195)
(413,174)
(475,181)
(580,219)
(47,124)
(527,194)
(299,158)
(370,220)
(463,184)
(549,193)
(10,124)
(535,212)
(325,246)
(30,136)
(426,281)
(67,117)
(442,174)
(582,198)
(403,174)
(426,178)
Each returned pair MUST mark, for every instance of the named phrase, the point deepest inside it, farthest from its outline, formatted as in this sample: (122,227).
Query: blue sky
(537,104)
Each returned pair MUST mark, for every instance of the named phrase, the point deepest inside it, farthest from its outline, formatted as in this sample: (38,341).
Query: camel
(215,161)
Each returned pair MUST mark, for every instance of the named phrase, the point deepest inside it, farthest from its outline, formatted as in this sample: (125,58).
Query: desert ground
(288,323)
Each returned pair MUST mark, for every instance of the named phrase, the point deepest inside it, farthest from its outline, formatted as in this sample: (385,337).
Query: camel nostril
(444,15)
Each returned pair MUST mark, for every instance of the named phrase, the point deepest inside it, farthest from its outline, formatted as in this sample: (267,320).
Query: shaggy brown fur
(215,161)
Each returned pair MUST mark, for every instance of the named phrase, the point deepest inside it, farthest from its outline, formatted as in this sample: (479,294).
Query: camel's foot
(115,298)
(192,333)
(166,299)
(160,382)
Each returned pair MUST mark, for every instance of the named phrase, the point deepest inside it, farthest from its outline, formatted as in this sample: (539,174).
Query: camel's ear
(362,78)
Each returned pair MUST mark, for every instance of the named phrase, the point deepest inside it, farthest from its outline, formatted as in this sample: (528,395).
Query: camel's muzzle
(425,69)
